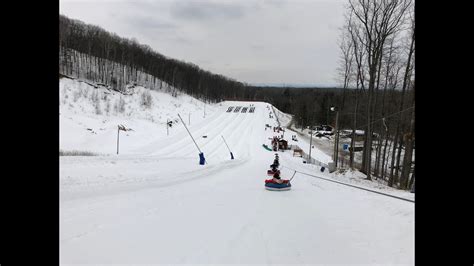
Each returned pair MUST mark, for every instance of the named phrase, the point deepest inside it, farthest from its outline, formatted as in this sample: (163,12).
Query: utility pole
(119,127)
(310,143)
(118,135)
(327,116)
(167,125)
(336,136)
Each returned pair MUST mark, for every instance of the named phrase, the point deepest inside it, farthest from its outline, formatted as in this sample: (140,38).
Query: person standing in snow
(276,161)
(274,166)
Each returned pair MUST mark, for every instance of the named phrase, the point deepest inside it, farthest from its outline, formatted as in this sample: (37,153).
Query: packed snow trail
(161,207)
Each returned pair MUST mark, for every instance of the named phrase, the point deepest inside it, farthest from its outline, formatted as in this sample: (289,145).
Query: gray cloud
(182,41)
(207,10)
(275,3)
(253,41)
(284,27)
(257,47)
(151,23)
(205,62)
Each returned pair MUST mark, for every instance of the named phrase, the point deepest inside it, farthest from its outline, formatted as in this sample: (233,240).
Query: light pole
(336,136)
(119,127)
(310,143)
(118,136)
(327,116)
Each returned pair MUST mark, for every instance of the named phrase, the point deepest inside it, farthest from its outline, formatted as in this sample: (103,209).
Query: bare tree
(409,139)
(345,69)
(346,61)
(379,19)
(359,53)
(406,79)
(388,62)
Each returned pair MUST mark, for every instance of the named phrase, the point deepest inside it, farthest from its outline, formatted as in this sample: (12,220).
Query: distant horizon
(294,85)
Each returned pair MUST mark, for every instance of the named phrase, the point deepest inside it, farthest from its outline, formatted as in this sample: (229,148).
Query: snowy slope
(78,112)
(153,203)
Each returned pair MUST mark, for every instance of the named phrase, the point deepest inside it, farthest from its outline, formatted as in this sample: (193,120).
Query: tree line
(377,48)
(90,52)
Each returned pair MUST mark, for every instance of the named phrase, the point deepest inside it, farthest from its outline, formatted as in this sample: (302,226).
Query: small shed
(298,152)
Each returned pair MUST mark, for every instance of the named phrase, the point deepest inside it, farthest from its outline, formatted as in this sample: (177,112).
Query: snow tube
(266,147)
(273,181)
(272,185)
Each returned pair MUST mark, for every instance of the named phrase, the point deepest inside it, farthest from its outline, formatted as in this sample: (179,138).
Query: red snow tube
(274,182)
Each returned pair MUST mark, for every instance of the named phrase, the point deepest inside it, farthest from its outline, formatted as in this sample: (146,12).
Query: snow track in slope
(168,209)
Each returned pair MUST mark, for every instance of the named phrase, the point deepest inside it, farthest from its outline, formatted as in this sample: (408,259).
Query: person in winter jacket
(276,177)
(275,162)
(274,167)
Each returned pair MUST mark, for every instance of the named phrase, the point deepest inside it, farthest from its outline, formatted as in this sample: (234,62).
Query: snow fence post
(202,160)
(225,142)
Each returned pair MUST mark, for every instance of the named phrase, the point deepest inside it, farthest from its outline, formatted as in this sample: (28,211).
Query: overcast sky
(292,42)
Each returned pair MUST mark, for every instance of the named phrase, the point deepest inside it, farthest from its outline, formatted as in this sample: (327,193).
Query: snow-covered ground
(154,204)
